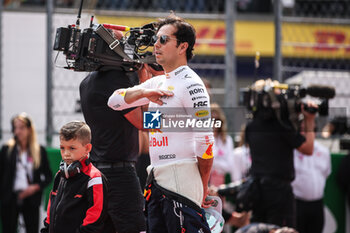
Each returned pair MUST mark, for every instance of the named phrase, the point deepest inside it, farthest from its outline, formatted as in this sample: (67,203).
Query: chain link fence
(316,48)
(316,36)
(189,6)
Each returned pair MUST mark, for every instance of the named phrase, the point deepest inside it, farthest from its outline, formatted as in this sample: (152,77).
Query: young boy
(78,199)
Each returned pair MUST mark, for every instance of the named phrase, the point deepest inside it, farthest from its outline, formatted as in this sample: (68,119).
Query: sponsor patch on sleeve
(202,113)
(120,92)
(208,154)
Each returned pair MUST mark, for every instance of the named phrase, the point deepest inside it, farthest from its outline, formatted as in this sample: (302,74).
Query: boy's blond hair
(76,130)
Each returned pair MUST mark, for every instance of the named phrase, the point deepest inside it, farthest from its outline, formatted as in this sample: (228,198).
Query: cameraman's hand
(308,115)
(147,72)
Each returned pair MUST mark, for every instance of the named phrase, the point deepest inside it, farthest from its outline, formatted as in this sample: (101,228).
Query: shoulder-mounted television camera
(284,101)
(97,47)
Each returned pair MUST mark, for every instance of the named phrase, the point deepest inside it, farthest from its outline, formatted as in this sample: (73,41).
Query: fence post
(230,61)
(277,64)
(49,125)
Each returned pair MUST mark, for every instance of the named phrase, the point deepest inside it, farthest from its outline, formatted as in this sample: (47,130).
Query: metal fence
(317,33)
(190,6)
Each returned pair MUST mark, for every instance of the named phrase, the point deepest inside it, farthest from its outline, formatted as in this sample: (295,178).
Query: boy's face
(73,150)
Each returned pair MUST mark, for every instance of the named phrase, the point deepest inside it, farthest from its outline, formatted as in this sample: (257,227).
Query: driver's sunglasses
(163,39)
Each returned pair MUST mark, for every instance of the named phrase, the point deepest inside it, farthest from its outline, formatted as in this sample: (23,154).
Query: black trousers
(141,168)
(277,203)
(10,211)
(125,201)
(310,216)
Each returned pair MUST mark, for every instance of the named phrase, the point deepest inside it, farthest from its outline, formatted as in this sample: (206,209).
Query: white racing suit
(175,146)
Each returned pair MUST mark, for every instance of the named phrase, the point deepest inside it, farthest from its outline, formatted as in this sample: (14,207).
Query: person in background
(208,86)
(342,177)
(222,149)
(272,139)
(242,160)
(311,173)
(24,173)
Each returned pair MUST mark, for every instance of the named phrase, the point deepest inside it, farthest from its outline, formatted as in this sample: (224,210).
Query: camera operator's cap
(215,220)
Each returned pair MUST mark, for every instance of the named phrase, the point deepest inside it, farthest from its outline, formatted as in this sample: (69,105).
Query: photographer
(272,138)
(115,147)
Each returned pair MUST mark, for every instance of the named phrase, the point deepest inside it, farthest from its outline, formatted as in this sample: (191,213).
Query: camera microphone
(321,91)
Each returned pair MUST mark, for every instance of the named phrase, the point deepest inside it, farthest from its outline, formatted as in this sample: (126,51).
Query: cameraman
(115,147)
(272,138)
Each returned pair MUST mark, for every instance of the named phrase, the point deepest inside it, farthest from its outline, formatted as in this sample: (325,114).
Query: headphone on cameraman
(72,169)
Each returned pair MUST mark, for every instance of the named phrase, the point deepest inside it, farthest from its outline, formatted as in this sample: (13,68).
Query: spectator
(311,173)
(241,159)
(222,149)
(24,173)
(343,175)
(209,87)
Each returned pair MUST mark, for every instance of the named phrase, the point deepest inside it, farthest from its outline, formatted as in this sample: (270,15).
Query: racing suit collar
(176,72)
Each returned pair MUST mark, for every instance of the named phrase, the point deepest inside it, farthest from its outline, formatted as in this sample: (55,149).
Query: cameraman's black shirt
(271,146)
(114,138)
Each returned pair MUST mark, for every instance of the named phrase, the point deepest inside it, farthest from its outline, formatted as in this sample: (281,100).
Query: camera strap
(112,43)
(276,105)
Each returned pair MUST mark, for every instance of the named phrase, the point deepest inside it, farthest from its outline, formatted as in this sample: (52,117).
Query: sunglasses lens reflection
(154,39)
(162,39)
